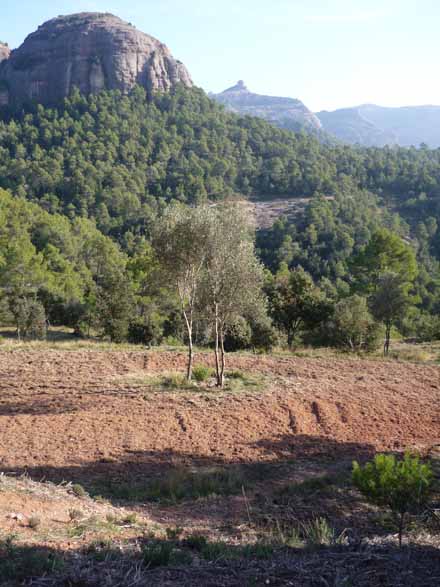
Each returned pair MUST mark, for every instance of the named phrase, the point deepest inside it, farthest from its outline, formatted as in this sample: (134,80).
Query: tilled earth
(79,410)
(96,418)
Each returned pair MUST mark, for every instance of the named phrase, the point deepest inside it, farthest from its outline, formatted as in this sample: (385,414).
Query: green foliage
(318,532)
(210,550)
(183,484)
(158,554)
(119,160)
(30,318)
(403,486)
(114,302)
(352,327)
(295,302)
(55,268)
(385,252)
(389,302)
(201,373)
(112,157)
(78,490)
(21,563)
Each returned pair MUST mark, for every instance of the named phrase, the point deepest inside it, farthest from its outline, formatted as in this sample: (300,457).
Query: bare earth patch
(228,465)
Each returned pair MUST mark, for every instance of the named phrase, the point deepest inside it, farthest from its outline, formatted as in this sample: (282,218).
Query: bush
(401,485)
(175,381)
(30,318)
(318,532)
(78,490)
(423,326)
(264,336)
(182,484)
(201,373)
(256,333)
(352,326)
(34,522)
(158,555)
(148,331)
(239,336)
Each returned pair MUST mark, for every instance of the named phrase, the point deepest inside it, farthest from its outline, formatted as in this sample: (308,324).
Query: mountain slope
(287,113)
(372,125)
(350,126)
(90,51)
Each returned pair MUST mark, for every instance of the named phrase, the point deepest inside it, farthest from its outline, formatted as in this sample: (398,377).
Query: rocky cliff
(91,51)
(284,112)
(4,52)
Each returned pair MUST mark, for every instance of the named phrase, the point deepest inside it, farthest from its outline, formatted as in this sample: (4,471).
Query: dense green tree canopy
(91,181)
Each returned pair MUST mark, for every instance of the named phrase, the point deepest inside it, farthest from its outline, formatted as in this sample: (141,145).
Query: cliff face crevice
(91,51)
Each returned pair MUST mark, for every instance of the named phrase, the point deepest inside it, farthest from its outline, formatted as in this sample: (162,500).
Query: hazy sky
(328,53)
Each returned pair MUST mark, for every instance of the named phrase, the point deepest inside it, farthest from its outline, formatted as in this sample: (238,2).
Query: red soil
(80,411)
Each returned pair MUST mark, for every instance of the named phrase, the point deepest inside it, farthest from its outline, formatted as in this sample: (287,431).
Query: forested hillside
(117,161)
(111,157)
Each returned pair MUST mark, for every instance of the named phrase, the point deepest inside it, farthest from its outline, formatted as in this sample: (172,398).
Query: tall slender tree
(181,244)
(234,276)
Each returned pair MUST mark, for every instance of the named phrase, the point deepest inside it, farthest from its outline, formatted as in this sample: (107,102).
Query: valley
(219,313)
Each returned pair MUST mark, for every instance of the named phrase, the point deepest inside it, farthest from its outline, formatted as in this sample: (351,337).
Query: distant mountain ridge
(288,113)
(371,125)
(367,125)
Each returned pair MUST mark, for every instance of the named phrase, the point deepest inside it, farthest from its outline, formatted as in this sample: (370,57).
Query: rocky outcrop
(284,112)
(91,51)
(4,93)
(4,52)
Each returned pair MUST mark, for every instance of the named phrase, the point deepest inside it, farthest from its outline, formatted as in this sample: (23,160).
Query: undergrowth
(177,485)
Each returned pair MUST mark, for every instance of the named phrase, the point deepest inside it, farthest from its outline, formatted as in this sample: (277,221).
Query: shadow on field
(187,563)
(39,407)
(52,335)
(139,469)
(199,490)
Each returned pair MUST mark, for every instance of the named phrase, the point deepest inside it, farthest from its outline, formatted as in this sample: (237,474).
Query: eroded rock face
(4,93)
(4,52)
(91,51)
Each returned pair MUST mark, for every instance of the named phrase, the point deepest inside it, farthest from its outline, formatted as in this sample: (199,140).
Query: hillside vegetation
(104,168)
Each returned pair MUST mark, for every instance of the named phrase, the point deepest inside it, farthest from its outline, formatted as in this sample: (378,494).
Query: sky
(328,53)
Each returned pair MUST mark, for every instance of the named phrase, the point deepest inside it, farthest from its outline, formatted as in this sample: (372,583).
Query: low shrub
(318,532)
(21,563)
(403,485)
(163,554)
(75,515)
(34,522)
(201,373)
(184,484)
(78,490)
(157,554)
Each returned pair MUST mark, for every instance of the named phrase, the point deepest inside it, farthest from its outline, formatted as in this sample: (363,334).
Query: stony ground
(97,418)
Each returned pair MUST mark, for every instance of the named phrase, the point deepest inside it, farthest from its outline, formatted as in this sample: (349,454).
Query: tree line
(199,281)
